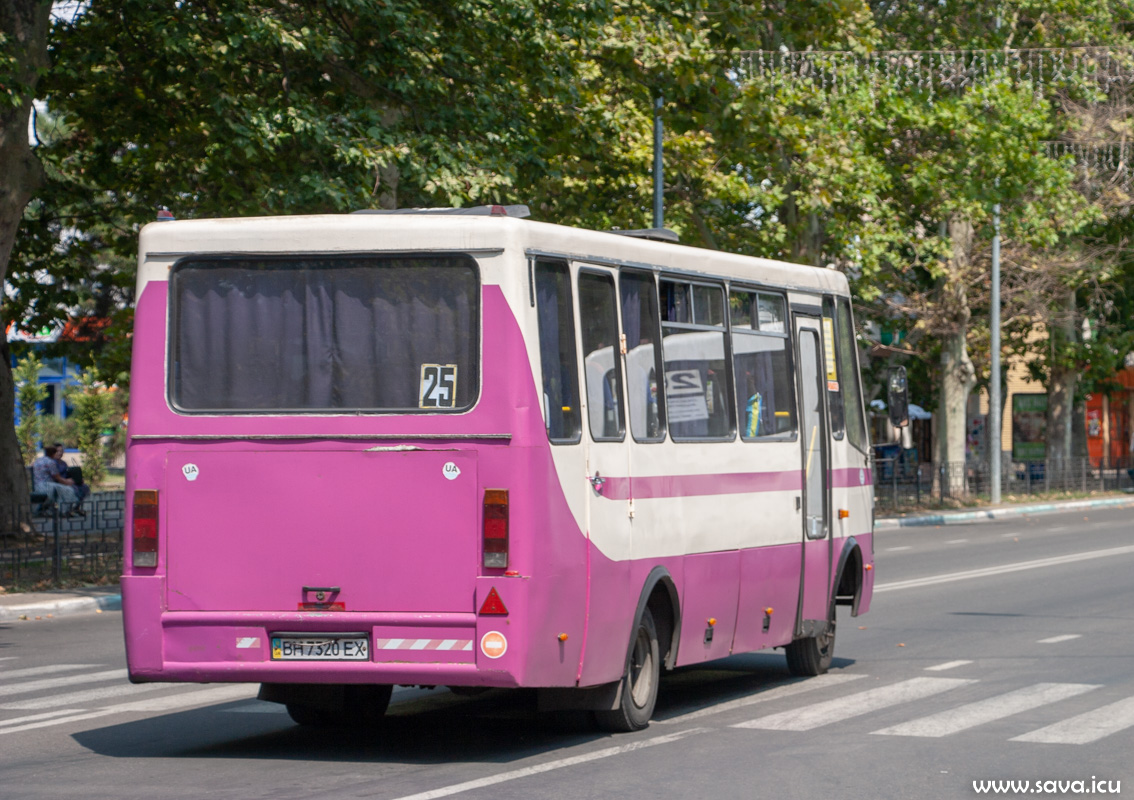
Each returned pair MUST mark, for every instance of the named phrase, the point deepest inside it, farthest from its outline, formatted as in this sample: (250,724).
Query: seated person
(47,480)
(74,473)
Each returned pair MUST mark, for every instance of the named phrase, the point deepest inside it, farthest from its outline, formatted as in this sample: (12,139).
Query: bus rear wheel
(349,706)
(812,655)
(640,683)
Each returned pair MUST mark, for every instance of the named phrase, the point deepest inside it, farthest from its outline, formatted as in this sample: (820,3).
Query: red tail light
(496,528)
(145,528)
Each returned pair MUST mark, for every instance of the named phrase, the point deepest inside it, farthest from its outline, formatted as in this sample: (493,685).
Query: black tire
(639,684)
(811,655)
(352,707)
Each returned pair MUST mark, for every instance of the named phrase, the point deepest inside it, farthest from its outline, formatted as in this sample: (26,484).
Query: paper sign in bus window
(829,354)
(685,396)
(438,386)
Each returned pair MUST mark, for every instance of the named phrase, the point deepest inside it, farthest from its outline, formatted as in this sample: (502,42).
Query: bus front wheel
(639,684)
(812,654)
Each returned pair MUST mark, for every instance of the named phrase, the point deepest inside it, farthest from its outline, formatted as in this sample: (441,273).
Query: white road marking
(58,721)
(36,717)
(947,665)
(55,683)
(988,710)
(85,697)
(798,687)
(8,658)
(45,670)
(956,541)
(896,549)
(829,711)
(1086,728)
(1057,561)
(1057,528)
(538,769)
(1064,638)
(218,694)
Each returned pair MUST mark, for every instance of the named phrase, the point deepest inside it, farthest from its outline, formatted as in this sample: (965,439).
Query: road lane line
(896,549)
(36,717)
(538,769)
(956,541)
(990,709)
(5,674)
(1057,561)
(947,665)
(1085,728)
(794,688)
(85,697)
(55,683)
(1064,638)
(818,714)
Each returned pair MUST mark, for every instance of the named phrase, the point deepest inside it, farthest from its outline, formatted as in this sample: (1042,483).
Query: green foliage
(93,407)
(29,394)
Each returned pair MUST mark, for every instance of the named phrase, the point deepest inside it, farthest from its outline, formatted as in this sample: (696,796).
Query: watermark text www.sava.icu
(1092,786)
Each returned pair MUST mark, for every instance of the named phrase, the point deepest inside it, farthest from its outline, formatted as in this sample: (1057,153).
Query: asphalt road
(997,651)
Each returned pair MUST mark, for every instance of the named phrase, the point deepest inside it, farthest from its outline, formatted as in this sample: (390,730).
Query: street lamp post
(993,433)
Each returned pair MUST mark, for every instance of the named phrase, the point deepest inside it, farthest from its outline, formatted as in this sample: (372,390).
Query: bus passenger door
(607,507)
(815,573)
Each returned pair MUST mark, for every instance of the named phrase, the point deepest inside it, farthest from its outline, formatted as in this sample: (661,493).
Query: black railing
(905,486)
(49,546)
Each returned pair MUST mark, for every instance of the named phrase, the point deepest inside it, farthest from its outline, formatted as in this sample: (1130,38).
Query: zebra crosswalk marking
(35,717)
(947,665)
(55,683)
(775,693)
(829,711)
(1086,728)
(47,669)
(83,697)
(988,710)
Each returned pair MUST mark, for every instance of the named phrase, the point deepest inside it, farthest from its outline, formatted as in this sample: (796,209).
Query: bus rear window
(325,334)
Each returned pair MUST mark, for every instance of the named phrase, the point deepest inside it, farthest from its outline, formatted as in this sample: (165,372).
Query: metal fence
(900,485)
(50,547)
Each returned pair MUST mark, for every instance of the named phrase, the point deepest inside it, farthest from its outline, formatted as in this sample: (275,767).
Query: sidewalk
(999,512)
(41,605)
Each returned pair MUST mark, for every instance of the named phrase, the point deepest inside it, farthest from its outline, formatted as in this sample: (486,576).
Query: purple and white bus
(473,450)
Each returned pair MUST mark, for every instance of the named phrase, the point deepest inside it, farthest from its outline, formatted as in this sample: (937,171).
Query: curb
(969,517)
(65,606)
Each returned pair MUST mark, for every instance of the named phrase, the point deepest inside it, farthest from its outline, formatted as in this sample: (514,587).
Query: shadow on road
(495,727)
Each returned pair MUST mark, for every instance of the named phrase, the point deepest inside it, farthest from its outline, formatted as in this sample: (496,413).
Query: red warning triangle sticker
(493,604)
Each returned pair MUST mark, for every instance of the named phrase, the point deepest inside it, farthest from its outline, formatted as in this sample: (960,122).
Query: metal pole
(994,378)
(658,177)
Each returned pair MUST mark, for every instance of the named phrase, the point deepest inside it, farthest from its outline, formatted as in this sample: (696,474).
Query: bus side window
(852,383)
(601,358)
(833,372)
(697,399)
(761,366)
(557,355)
(641,327)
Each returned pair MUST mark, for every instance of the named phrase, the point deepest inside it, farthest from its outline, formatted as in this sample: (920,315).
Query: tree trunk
(958,375)
(24,25)
(1062,377)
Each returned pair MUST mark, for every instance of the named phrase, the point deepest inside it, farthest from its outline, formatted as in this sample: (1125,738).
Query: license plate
(352,647)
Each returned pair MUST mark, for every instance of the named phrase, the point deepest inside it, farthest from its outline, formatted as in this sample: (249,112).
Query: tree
(23,59)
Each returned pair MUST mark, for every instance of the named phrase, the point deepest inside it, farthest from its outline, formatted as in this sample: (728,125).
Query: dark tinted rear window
(325,334)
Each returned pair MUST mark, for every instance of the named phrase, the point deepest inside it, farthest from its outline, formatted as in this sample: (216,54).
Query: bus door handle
(798,503)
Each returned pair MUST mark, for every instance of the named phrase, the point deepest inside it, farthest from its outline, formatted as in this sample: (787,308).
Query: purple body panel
(360,502)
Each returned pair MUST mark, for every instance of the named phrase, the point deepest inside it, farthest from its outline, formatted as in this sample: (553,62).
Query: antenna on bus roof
(475,211)
(653,234)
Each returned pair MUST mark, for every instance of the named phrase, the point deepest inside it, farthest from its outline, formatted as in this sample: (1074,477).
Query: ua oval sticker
(451,471)
(493,644)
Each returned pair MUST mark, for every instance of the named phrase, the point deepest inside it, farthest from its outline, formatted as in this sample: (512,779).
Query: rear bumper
(224,646)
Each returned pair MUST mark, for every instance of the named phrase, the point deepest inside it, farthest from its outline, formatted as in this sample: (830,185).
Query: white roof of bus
(162,243)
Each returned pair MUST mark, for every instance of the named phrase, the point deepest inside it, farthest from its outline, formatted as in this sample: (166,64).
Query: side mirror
(898,401)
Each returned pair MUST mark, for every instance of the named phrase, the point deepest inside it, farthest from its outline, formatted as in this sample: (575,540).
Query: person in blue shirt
(47,480)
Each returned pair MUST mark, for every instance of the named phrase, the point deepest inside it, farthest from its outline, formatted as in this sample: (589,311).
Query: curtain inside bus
(368,333)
